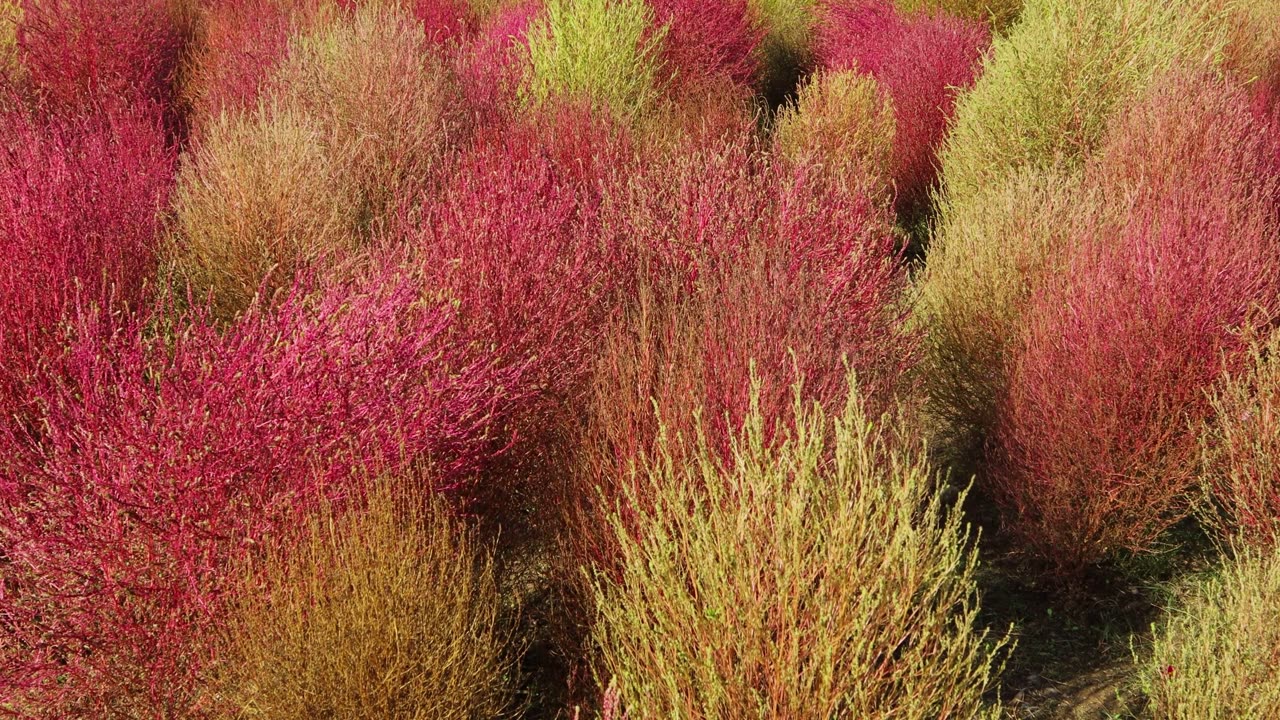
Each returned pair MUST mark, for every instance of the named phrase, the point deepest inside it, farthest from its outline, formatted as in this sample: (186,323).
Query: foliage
(801,578)
(603,53)
(80,203)
(1218,655)
(383,609)
(1052,84)
(161,455)
(920,62)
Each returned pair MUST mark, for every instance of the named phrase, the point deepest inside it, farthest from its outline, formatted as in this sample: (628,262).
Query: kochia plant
(160,454)
(604,53)
(80,201)
(922,63)
(811,576)
(1096,446)
(76,53)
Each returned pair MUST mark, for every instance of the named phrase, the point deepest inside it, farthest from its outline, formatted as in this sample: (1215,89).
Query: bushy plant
(1095,445)
(804,578)
(493,66)
(787,49)
(256,200)
(10,16)
(972,294)
(1052,84)
(1217,656)
(708,41)
(76,53)
(162,452)
(1000,14)
(843,123)
(384,100)
(80,205)
(387,608)
(238,43)
(445,21)
(1242,445)
(751,269)
(603,53)
(922,63)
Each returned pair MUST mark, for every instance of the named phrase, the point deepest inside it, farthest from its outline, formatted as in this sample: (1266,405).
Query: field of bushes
(640,359)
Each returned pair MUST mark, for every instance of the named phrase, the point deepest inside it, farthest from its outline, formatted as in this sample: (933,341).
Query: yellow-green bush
(1000,13)
(1218,656)
(602,53)
(256,200)
(10,16)
(384,611)
(788,40)
(811,578)
(1051,85)
(842,122)
(1242,447)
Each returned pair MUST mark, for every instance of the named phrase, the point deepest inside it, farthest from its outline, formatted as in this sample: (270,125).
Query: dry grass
(811,578)
(382,611)
(1218,656)
(999,13)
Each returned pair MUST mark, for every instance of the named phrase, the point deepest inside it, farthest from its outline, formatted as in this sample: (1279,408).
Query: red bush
(240,42)
(79,220)
(1095,446)
(754,271)
(445,20)
(158,455)
(79,52)
(513,239)
(489,66)
(921,62)
(708,40)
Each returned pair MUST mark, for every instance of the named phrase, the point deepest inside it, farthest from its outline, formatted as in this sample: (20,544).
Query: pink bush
(921,62)
(754,269)
(79,52)
(513,240)
(1095,447)
(165,448)
(79,220)
(240,42)
(445,20)
(709,40)
(489,66)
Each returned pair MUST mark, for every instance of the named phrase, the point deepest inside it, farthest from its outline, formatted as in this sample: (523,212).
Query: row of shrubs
(303,298)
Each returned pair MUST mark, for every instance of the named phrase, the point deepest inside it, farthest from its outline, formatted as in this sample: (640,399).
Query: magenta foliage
(80,200)
(489,67)
(158,456)
(241,41)
(709,41)
(921,62)
(779,267)
(513,238)
(1096,447)
(445,20)
(79,52)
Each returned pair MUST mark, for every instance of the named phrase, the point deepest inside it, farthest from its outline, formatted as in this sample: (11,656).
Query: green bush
(603,53)
(1218,656)
(812,578)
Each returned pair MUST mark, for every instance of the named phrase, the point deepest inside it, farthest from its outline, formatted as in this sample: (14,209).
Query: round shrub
(812,577)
